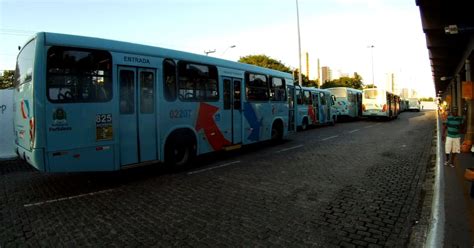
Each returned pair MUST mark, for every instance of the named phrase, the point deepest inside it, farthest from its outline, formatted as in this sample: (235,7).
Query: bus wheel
(277,131)
(179,151)
(304,125)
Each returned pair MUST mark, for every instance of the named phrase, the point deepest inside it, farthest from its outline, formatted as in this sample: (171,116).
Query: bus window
(197,82)
(257,87)
(299,97)
(24,65)
(323,99)
(127,95)
(307,97)
(277,91)
(147,92)
(78,75)
(339,92)
(169,79)
(227,94)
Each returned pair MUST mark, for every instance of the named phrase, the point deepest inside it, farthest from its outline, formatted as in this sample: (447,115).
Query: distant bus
(403,104)
(314,107)
(89,104)
(348,102)
(414,104)
(378,103)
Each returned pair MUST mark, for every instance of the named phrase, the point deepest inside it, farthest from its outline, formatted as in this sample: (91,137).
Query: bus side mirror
(333,99)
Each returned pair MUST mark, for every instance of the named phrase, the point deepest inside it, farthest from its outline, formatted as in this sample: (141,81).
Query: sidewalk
(459,206)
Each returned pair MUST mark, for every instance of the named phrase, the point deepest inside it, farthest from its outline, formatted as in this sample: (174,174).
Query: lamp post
(300,78)
(230,47)
(372,57)
(209,51)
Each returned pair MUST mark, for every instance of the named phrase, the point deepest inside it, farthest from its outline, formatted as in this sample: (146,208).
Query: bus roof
(146,50)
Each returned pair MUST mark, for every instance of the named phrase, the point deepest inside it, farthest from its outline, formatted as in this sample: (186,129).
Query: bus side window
(323,99)
(299,97)
(277,91)
(169,80)
(257,87)
(197,82)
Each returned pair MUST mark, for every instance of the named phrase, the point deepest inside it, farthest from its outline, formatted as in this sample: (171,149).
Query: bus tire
(277,131)
(304,125)
(180,149)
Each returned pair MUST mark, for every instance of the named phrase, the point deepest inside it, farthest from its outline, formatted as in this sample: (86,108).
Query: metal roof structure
(449,29)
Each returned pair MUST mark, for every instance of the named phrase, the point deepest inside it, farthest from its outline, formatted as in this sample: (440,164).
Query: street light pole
(300,78)
(233,46)
(372,55)
(209,51)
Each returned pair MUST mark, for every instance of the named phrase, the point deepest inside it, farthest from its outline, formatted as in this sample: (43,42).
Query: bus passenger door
(137,115)
(315,106)
(233,107)
(291,108)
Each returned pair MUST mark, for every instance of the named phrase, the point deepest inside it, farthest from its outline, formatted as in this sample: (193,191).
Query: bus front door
(138,137)
(233,107)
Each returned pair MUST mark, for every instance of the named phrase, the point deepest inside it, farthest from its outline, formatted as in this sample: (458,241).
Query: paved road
(355,184)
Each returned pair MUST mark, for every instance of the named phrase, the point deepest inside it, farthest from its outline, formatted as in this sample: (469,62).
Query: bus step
(234,147)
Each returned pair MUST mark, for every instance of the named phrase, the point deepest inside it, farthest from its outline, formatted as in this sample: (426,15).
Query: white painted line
(353,131)
(332,137)
(212,168)
(369,126)
(66,198)
(289,148)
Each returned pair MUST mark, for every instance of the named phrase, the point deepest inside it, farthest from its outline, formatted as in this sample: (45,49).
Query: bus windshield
(339,92)
(371,94)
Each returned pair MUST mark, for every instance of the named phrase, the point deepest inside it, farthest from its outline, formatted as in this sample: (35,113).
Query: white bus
(414,104)
(378,103)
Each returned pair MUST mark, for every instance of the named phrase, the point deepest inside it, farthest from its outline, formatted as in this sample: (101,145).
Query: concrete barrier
(7,138)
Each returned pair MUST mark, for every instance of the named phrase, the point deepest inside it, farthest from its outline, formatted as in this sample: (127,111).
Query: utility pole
(300,78)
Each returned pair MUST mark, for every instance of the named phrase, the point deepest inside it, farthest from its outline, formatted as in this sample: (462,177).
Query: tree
(265,61)
(351,82)
(370,86)
(306,81)
(6,80)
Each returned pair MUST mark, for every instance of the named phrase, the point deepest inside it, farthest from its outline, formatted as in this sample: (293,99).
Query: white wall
(7,139)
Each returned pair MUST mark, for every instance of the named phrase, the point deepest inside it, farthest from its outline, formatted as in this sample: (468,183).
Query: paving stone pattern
(361,189)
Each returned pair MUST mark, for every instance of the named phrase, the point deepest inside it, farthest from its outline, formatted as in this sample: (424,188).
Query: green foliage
(369,86)
(265,61)
(306,82)
(6,81)
(352,82)
(427,99)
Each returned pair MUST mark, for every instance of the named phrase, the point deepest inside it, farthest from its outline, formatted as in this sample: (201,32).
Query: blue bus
(348,102)
(314,107)
(89,104)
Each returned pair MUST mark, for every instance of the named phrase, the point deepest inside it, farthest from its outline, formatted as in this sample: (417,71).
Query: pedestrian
(452,135)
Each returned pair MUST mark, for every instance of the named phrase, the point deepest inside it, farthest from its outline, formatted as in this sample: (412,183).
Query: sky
(337,32)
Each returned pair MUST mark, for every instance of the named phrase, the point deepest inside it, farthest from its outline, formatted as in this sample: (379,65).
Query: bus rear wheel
(179,151)
(277,131)
(304,125)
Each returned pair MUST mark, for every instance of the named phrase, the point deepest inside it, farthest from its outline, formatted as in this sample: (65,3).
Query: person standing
(452,136)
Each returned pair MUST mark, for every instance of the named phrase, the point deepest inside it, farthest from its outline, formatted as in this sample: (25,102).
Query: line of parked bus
(89,104)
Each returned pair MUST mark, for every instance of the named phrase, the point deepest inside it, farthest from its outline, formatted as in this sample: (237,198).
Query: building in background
(326,74)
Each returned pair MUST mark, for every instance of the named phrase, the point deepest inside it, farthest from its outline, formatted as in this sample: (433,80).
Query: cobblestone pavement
(356,184)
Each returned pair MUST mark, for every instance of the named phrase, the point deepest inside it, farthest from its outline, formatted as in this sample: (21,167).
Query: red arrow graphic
(205,121)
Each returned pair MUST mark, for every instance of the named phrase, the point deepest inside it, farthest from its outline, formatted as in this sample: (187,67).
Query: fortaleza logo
(60,121)
(136,60)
